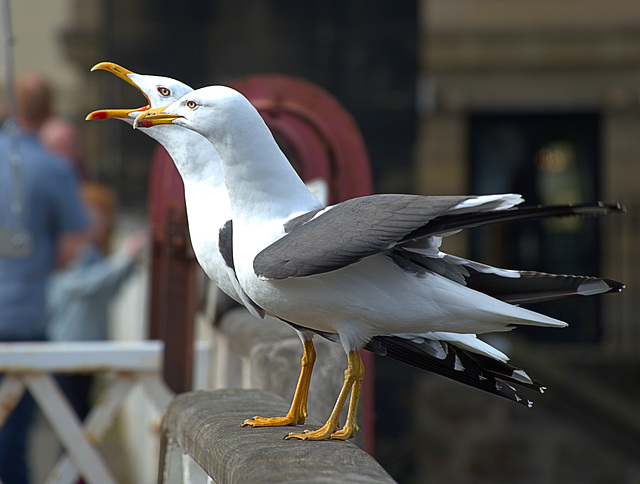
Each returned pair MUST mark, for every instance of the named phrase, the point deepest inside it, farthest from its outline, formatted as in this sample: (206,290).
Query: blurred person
(54,217)
(78,296)
(62,137)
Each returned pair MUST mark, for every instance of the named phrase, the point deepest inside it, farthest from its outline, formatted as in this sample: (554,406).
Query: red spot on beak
(145,123)
(99,115)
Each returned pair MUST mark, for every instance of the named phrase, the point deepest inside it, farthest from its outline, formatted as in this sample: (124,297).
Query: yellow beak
(154,117)
(123,74)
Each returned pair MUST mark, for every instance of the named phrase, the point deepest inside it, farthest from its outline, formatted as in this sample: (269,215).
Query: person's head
(34,101)
(101,207)
(62,137)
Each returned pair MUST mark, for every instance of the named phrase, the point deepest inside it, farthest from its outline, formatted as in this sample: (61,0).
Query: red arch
(293,109)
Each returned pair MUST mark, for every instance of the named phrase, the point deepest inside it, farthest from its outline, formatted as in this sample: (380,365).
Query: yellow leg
(353,377)
(298,411)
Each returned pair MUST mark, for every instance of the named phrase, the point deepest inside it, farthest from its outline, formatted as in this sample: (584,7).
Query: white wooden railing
(31,366)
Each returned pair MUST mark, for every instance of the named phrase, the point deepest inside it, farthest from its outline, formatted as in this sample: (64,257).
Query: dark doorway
(550,159)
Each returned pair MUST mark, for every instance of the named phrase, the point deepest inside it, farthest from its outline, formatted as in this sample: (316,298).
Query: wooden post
(181,305)
(173,297)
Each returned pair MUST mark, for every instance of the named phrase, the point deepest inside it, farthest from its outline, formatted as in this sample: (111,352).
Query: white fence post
(31,366)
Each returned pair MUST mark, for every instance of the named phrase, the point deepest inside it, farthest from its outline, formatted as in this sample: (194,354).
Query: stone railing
(256,367)
(202,442)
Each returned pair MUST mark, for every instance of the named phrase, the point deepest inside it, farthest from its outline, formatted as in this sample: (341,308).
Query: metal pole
(12,122)
(19,240)
(8,58)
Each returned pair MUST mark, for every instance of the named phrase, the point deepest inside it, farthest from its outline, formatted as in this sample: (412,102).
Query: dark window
(550,159)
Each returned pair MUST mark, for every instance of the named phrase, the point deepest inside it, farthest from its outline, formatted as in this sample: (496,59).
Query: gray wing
(346,233)
(360,227)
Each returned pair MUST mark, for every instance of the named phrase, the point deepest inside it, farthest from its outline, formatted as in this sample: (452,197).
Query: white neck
(259,178)
(194,157)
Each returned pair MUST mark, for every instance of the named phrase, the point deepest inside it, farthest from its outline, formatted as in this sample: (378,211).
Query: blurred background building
(453,97)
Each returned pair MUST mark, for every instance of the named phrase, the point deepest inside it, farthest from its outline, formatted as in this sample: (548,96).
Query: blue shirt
(52,207)
(79,296)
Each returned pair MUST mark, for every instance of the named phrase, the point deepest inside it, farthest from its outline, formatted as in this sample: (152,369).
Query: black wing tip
(615,287)
(477,371)
(507,391)
(601,208)
(617,207)
(594,209)
(449,222)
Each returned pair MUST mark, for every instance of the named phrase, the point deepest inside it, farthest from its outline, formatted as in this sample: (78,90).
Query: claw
(353,376)
(323,433)
(289,419)
(298,411)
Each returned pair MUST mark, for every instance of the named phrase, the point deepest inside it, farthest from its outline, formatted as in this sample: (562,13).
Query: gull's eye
(164,91)
(192,104)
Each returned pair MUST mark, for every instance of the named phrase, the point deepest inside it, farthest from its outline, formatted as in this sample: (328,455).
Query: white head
(159,92)
(211,111)
(255,170)
(194,156)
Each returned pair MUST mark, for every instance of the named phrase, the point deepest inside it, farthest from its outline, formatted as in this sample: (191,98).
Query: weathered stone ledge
(206,425)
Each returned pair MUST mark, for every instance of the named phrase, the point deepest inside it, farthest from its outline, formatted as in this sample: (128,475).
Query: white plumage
(373,296)
(359,289)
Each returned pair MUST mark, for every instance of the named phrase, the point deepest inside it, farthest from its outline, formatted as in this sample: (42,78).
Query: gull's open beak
(154,117)
(123,74)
